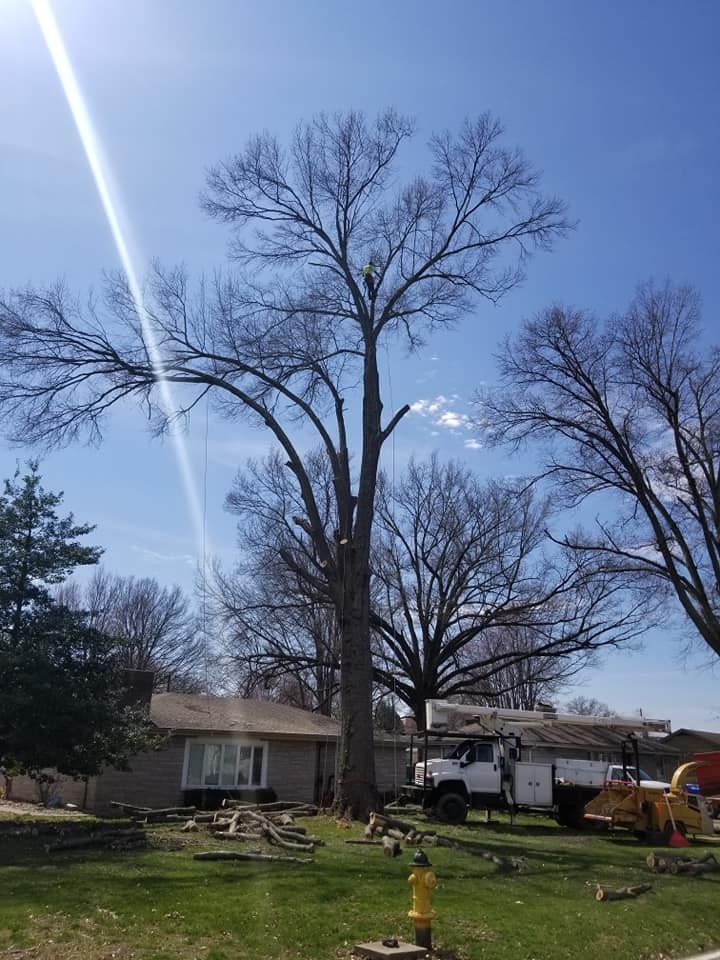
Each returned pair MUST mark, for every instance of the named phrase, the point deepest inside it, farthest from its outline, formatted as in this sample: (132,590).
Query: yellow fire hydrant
(422,882)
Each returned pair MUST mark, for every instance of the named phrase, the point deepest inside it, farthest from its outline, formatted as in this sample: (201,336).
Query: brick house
(687,742)
(226,746)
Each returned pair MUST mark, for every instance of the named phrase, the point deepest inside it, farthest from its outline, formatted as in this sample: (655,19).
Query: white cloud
(428,408)
(473,444)
(439,411)
(452,420)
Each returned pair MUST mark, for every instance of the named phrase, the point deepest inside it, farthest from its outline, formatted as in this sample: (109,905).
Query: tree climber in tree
(369,272)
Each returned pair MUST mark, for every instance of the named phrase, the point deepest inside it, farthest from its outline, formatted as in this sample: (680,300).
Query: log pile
(250,823)
(277,807)
(685,864)
(393,831)
(157,815)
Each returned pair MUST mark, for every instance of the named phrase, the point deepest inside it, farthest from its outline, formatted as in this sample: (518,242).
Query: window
(225,765)
(483,753)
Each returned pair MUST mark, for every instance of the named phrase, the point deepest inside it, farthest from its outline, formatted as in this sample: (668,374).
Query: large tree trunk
(356,792)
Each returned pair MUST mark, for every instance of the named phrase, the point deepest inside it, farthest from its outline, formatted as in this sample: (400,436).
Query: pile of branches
(681,863)
(273,823)
(391,833)
(154,815)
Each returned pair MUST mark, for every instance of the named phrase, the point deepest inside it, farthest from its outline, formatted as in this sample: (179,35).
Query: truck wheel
(571,815)
(451,808)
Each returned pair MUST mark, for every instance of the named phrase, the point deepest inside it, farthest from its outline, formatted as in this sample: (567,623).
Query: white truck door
(481,769)
(533,784)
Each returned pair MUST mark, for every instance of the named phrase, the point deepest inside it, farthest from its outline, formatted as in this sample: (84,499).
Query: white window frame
(225,741)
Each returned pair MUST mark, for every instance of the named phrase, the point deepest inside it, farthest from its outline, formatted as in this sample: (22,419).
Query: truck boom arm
(438,714)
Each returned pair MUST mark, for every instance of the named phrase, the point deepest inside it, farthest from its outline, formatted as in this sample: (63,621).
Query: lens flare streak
(100,170)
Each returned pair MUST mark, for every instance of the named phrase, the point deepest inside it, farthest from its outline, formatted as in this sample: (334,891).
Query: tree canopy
(151,627)
(630,408)
(291,337)
(62,707)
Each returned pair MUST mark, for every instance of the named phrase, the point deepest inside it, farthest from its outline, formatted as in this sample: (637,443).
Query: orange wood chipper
(691,804)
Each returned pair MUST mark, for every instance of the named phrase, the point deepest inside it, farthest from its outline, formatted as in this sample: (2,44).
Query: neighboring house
(687,742)
(225,746)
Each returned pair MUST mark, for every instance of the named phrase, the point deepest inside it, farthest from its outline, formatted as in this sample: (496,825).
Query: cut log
(240,837)
(624,893)
(128,807)
(681,863)
(696,869)
(391,847)
(365,843)
(190,827)
(233,855)
(379,823)
(296,808)
(292,830)
(504,864)
(153,816)
(275,834)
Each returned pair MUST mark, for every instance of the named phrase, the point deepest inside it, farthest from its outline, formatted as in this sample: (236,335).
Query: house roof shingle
(582,737)
(182,712)
(711,736)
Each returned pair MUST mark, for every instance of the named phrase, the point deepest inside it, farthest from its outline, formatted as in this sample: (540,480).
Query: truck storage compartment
(533,784)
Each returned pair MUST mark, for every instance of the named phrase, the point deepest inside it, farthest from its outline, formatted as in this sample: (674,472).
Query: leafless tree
(526,682)
(153,627)
(277,643)
(588,707)
(294,334)
(468,602)
(629,408)
(280,629)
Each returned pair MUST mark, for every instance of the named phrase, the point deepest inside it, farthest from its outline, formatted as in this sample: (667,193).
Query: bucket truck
(487,771)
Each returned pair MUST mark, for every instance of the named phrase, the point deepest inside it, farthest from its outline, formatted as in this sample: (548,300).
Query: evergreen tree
(63,705)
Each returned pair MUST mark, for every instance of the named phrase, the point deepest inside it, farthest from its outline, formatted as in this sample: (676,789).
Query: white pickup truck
(487,774)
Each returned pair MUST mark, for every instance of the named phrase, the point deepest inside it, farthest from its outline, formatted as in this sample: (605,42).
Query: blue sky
(617,103)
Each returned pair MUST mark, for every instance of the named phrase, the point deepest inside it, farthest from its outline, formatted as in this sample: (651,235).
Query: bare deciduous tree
(588,707)
(277,643)
(526,682)
(468,603)
(294,335)
(630,408)
(152,627)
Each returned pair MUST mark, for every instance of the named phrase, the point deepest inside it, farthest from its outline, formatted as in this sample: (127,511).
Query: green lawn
(162,905)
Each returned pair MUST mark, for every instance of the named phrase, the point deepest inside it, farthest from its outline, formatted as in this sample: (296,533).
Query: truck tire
(571,815)
(451,808)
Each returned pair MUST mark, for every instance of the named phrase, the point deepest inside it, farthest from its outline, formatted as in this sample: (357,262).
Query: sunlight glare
(120,234)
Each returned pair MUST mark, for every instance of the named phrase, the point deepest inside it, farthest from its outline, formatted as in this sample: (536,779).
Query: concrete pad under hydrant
(377,950)
(713,955)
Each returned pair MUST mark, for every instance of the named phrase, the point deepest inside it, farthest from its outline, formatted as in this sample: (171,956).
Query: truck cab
(471,774)
(616,773)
